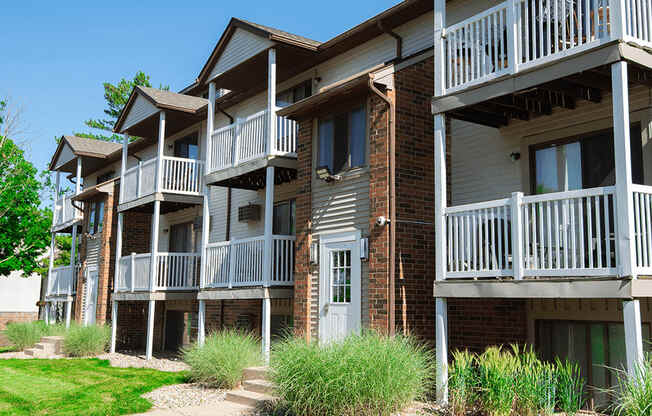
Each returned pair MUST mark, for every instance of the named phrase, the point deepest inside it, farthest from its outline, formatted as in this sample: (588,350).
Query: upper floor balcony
(62,281)
(517,36)
(65,213)
(172,272)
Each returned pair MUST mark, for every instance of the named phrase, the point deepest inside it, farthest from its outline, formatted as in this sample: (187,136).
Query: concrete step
(255,373)
(52,339)
(45,347)
(259,386)
(248,398)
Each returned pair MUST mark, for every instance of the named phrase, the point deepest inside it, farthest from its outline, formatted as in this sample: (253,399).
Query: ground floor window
(597,347)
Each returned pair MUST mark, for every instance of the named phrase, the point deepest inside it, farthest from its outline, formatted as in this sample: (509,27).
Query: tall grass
(25,334)
(367,374)
(535,384)
(462,382)
(633,396)
(570,387)
(223,357)
(86,341)
(497,379)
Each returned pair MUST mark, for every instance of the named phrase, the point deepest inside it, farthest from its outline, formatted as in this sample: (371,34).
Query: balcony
(174,272)
(239,263)
(65,213)
(246,146)
(62,281)
(179,177)
(561,235)
(518,35)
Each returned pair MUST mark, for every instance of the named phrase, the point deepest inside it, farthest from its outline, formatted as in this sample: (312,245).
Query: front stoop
(255,392)
(48,347)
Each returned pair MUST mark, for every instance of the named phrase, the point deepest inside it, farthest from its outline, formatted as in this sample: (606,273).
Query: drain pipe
(228,190)
(391,127)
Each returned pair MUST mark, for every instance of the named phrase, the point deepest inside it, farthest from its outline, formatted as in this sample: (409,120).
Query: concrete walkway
(224,408)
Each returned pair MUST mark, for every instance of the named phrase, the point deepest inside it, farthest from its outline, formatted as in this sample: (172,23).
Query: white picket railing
(134,273)
(519,34)
(65,213)
(179,175)
(177,271)
(643,227)
(553,235)
(62,281)
(248,139)
(239,263)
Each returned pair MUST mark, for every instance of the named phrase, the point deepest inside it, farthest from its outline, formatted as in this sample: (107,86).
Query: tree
(116,97)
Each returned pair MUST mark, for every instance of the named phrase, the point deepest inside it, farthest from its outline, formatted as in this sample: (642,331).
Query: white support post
(201,323)
(78,177)
(150,329)
(47,313)
(114,324)
(154,246)
(123,166)
(205,230)
(633,335)
(51,265)
(271,100)
(618,19)
(266,330)
(517,235)
(210,121)
(622,155)
(441,349)
(440,63)
(269,226)
(57,187)
(161,146)
(68,312)
(118,251)
(512,39)
(139,179)
(73,256)
(440,197)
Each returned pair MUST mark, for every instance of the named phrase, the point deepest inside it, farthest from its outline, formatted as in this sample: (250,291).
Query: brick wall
(9,317)
(136,232)
(475,324)
(132,326)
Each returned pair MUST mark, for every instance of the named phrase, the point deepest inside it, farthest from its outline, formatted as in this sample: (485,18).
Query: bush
(496,374)
(84,341)
(633,397)
(462,382)
(366,374)
(25,334)
(570,387)
(220,362)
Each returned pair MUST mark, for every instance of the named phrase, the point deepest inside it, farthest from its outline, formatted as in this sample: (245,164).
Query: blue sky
(56,55)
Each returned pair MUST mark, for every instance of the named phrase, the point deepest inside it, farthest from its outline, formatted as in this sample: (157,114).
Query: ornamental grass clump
(220,362)
(570,387)
(86,341)
(462,382)
(535,384)
(25,334)
(497,370)
(633,395)
(367,374)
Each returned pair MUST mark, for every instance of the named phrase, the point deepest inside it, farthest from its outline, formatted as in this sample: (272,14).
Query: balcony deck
(62,282)
(241,151)
(181,184)
(65,214)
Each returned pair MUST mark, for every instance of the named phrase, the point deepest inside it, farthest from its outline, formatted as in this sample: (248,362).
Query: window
(105,177)
(284,218)
(582,162)
(181,238)
(595,346)
(294,94)
(341,276)
(96,218)
(187,147)
(342,141)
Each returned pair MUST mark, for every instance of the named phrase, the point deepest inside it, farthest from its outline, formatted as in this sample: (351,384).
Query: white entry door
(339,283)
(91,297)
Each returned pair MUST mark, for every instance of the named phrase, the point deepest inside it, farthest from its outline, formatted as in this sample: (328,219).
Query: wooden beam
(592,79)
(569,88)
(474,116)
(508,111)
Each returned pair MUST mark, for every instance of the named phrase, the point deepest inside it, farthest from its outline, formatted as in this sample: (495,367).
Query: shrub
(220,362)
(25,334)
(535,385)
(366,374)
(496,374)
(633,396)
(84,341)
(570,387)
(462,382)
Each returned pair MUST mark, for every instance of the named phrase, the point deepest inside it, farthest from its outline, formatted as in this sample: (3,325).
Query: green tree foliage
(116,97)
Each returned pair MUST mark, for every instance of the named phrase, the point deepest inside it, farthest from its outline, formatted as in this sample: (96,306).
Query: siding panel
(242,46)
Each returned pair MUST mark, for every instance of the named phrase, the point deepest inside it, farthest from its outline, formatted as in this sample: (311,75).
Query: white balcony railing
(179,175)
(239,263)
(174,271)
(248,139)
(65,213)
(62,281)
(520,34)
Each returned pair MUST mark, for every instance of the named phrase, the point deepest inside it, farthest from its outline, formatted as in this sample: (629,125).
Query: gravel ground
(184,395)
(19,354)
(137,360)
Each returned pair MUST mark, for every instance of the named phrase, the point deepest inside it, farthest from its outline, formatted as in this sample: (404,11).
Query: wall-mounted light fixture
(314,253)
(364,248)
(515,156)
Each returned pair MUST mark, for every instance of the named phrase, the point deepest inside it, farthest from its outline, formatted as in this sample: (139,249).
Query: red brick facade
(11,317)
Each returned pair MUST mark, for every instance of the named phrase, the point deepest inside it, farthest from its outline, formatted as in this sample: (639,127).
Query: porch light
(515,156)
(364,248)
(314,253)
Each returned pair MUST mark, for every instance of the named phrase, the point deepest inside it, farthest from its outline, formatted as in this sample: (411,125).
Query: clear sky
(55,55)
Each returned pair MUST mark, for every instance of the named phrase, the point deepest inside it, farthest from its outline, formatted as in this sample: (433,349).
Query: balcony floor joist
(568,288)
(251,175)
(247,293)
(170,202)
(146,296)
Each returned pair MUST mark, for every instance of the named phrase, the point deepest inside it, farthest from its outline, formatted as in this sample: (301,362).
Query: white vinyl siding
(65,156)
(140,110)
(242,46)
(177,217)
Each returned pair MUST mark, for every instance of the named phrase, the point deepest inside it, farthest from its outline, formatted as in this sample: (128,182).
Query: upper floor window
(105,177)
(187,147)
(96,218)
(284,218)
(342,140)
(294,94)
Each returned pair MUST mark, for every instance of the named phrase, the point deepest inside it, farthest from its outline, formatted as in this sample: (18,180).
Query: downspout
(228,190)
(391,127)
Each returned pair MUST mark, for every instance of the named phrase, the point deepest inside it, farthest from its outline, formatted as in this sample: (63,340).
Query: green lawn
(75,387)
(7,348)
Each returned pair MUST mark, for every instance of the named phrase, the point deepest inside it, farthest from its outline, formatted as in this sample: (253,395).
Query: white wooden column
(210,126)
(271,100)
(622,154)
(201,323)
(150,329)
(153,268)
(51,264)
(68,311)
(633,335)
(441,349)
(205,228)
(267,325)
(123,166)
(47,313)
(79,176)
(114,324)
(161,147)
(440,62)
(269,226)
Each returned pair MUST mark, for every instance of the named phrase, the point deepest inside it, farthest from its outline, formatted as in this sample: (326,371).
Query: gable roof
(81,146)
(162,99)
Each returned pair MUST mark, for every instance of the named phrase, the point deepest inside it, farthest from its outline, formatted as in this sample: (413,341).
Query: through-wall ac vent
(249,213)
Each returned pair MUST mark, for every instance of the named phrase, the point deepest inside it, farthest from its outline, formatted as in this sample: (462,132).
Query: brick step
(248,398)
(255,373)
(258,386)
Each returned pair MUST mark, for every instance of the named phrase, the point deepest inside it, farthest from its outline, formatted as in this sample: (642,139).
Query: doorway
(91,296)
(174,327)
